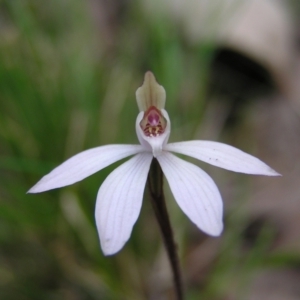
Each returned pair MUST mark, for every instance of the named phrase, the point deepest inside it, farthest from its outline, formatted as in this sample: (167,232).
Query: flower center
(153,122)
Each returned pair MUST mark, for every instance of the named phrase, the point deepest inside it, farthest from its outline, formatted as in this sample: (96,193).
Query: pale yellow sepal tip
(150,93)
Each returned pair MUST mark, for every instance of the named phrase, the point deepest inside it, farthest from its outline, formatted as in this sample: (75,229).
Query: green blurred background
(69,70)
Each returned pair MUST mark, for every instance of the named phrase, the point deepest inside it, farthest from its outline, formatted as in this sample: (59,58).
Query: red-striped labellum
(153,122)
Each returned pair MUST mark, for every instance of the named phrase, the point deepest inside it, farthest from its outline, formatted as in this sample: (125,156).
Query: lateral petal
(83,165)
(223,156)
(119,202)
(195,192)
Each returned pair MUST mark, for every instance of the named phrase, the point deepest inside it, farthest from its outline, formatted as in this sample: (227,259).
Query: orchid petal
(195,192)
(223,156)
(119,202)
(83,165)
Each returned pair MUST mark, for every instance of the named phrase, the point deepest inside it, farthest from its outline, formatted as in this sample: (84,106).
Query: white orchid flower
(119,198)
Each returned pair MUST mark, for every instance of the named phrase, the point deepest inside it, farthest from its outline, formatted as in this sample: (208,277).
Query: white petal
(155,144)
(83,165)
(223,156)
(119,202)
(195,192)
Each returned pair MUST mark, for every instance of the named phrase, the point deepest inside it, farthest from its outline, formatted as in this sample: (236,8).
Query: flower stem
(155,184)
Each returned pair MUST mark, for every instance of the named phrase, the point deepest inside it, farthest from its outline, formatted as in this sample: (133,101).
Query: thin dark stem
(155,184)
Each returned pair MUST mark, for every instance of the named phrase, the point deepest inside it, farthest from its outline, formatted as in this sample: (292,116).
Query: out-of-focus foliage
(68,75)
